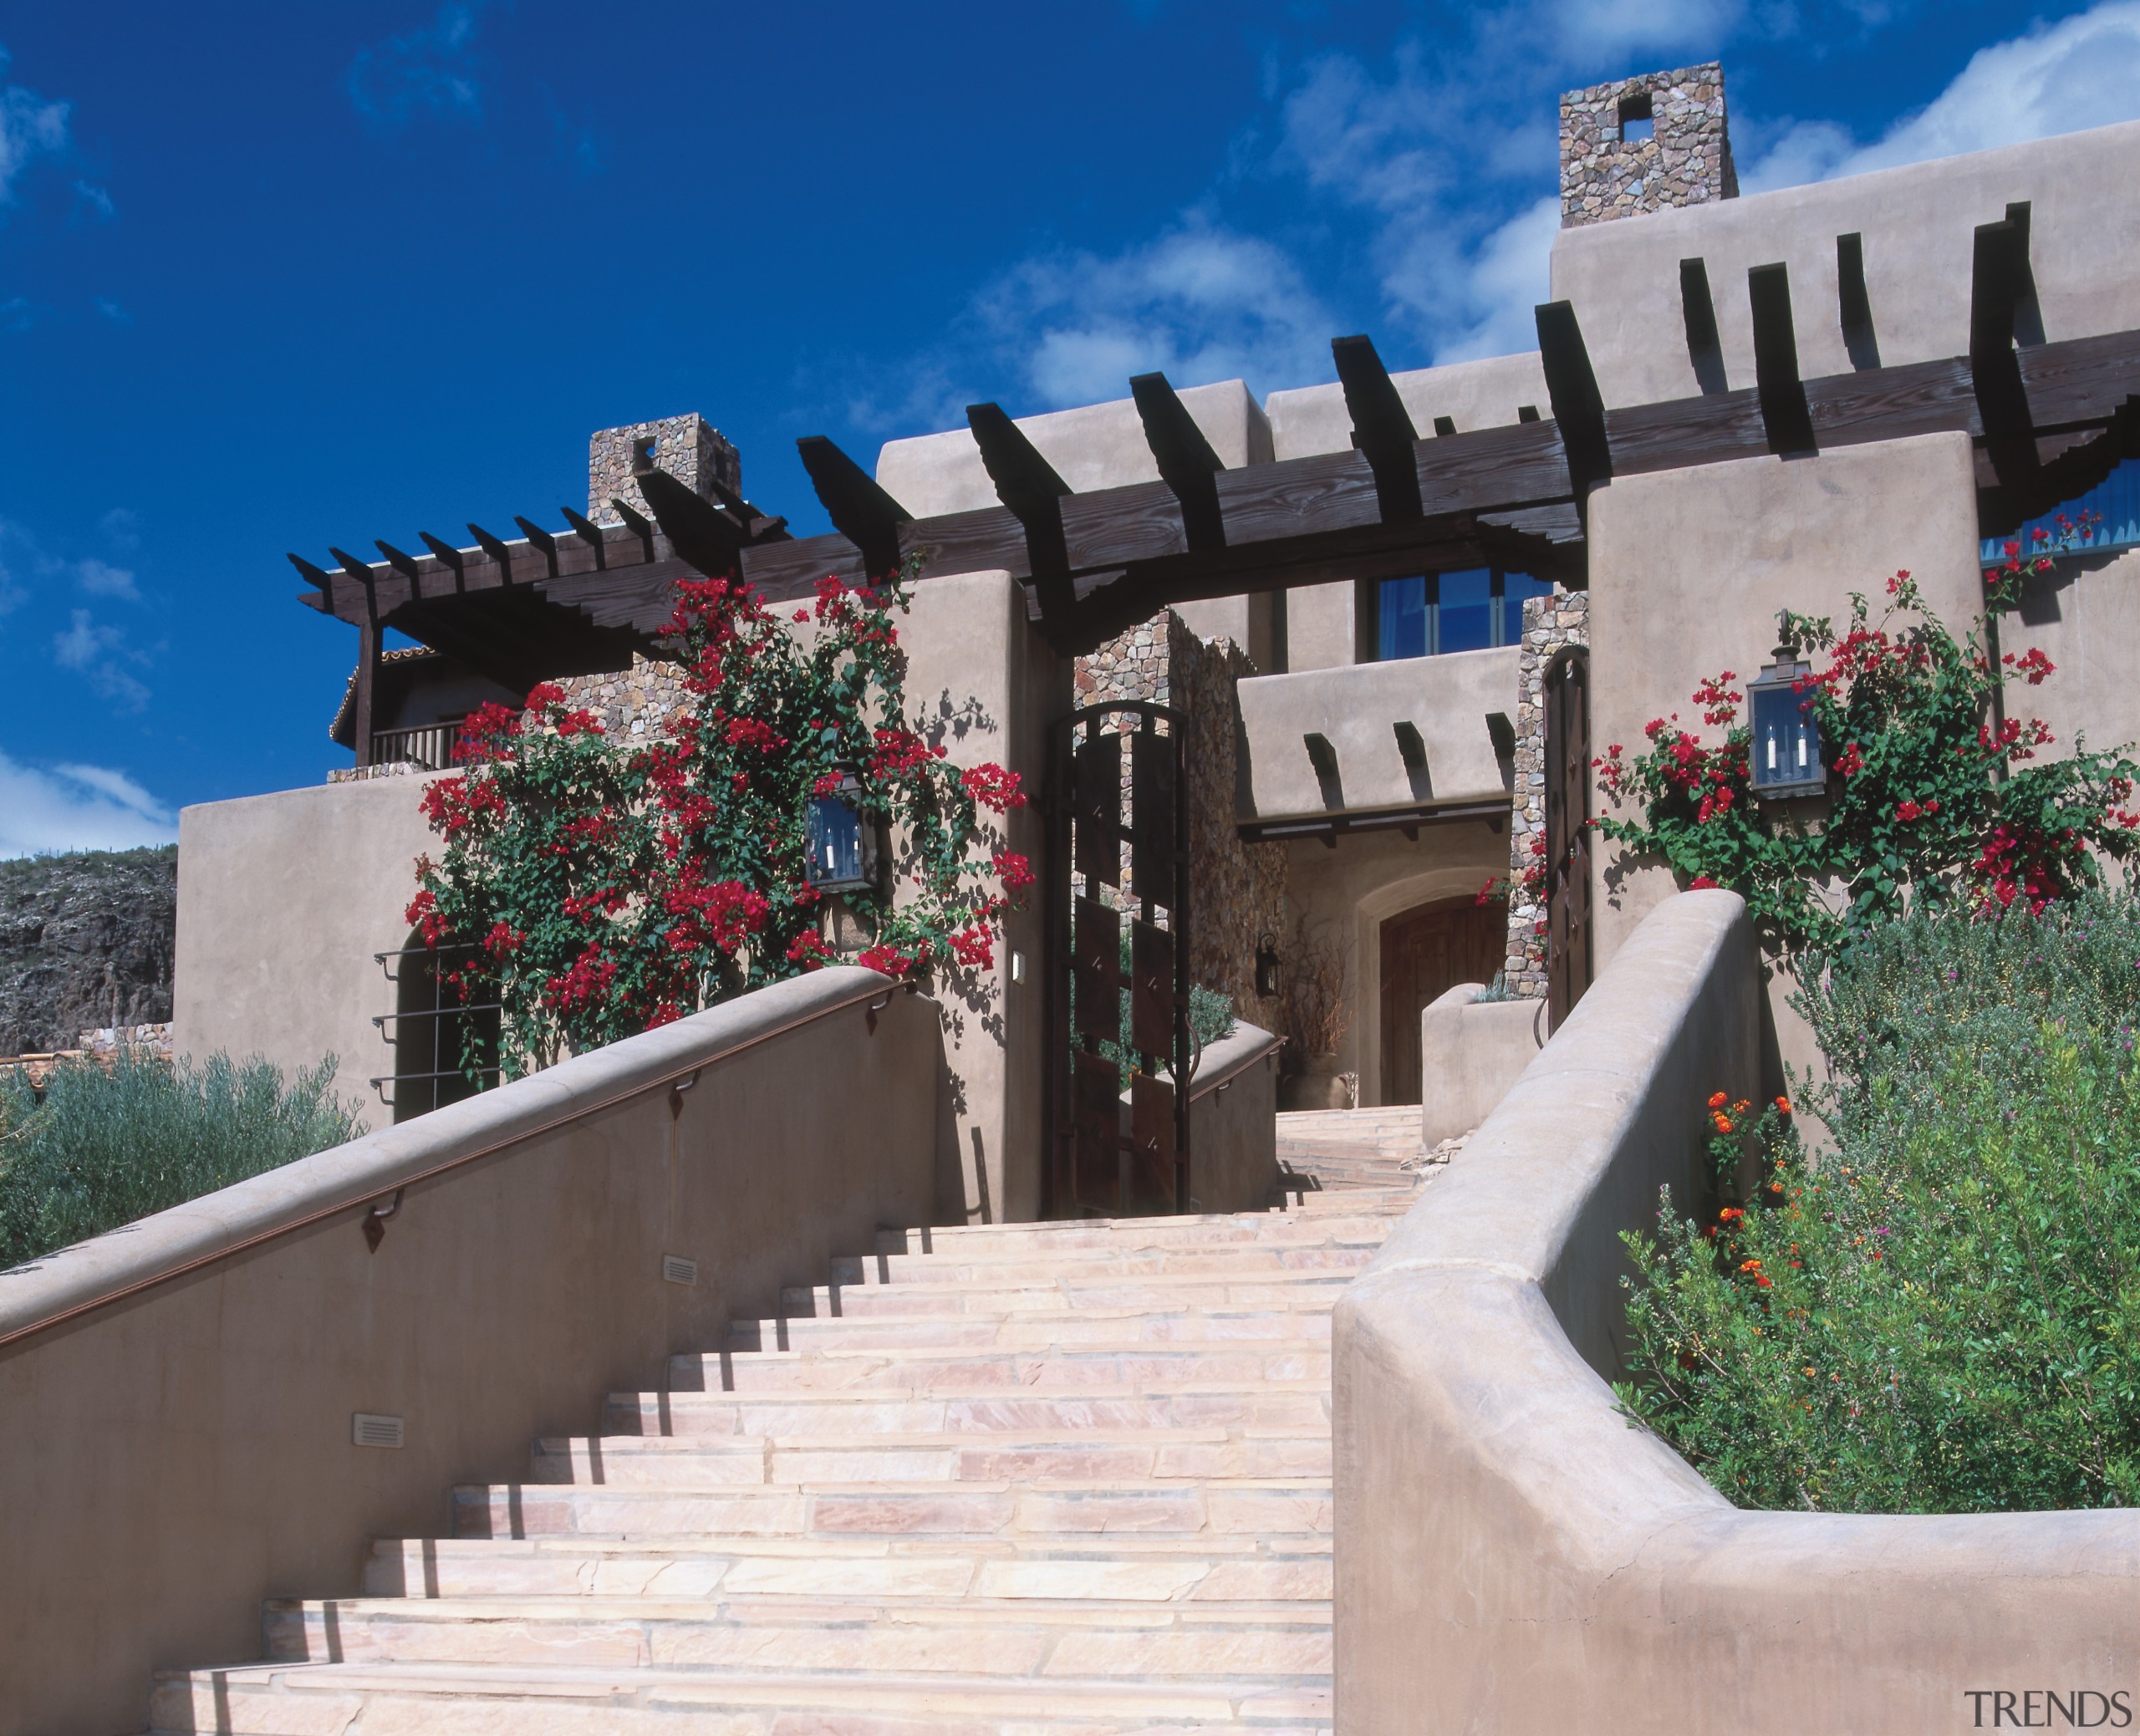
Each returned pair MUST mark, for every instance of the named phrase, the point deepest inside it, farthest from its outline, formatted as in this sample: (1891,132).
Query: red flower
(974,945)
(889,959)
(1700,883)
(993,787)
(1013,869)
(807,950)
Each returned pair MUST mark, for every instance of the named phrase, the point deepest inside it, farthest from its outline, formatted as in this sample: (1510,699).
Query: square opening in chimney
(1637,121)
(643,454)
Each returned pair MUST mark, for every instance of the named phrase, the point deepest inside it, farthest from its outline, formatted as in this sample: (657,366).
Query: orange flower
(1723,1123)
(1718,1101)
(1783,1106)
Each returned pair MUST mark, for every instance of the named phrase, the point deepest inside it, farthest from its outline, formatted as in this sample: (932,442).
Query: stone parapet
(1645,144)
(693,452)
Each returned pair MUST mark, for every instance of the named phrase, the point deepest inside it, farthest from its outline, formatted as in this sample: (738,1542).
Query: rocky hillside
(84,940)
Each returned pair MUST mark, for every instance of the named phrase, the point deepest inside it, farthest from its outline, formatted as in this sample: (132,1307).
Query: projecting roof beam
(1853,304)
(1784,414)
(1999,274)
(405,564)
(1028,484)
(1698,312)
(590,533)
(759,527)
(317,575)
(1382,427)
(699,531)
(1578,406)
(858,508)
(495,548)
(450,557)
(361,571)
(1187,464)
(539,538)
(636,522)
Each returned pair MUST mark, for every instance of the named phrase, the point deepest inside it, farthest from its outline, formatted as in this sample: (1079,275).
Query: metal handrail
(428,744)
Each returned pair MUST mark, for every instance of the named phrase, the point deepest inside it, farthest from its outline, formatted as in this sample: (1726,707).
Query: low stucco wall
(1512,1555)
(1471,1052)
(177,1454)
(1233,1122)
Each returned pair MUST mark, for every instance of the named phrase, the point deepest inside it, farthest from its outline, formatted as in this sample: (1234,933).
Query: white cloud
(1506,278)
(76,807)
(2081,71)
(1622,26)
(94,650)
(96,197)
(99,578)
(30,128)
(430,70)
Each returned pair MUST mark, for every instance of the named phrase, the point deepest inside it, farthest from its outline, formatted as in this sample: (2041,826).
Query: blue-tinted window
(1402,631)
(2115,500)
(1466,610)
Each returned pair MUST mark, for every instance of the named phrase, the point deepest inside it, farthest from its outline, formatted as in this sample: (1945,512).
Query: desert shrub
(1935,1308)
(1210,1018)
(104,1147)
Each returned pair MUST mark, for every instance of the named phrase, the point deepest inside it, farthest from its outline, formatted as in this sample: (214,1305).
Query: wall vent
(367,1429)
(677,1269)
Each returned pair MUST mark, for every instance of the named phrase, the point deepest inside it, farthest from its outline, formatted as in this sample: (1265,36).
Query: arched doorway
(1426,951)
(432,1029)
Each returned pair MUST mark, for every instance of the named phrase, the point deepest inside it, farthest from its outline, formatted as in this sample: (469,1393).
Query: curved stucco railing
(1512,1555)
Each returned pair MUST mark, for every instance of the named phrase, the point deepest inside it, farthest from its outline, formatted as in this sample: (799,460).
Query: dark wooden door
(1567,835)
(1425,953)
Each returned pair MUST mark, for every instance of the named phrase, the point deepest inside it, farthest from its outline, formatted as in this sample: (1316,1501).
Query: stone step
(1274,1404)
(1310,1288)
(924,1368)
(1223,1506)
(1035,1330)
(364,1699)
(1090,1265)
(989,1241)
(1038,1640)
(1210,1569)
(744,1461)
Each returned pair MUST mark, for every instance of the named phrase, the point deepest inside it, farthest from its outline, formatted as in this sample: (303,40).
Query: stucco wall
(1687,569)
(1486,394)
(1919,226)
(1233,1127)
(1471,1052)
(283,901)
(1512,1556)
(2086,617)
(1346,893)
(176,1457)
(986,685)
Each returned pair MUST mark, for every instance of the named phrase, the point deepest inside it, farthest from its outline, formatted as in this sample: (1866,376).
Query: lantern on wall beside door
(1266,968)
(1784,756)
(846,840)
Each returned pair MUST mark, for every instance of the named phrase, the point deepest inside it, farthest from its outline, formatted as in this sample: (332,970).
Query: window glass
(1515,588)
(1467,611)
(1402,628)
(2107,516)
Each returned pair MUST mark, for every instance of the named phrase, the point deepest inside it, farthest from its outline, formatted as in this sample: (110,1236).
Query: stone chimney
(694,454)
(1644,144)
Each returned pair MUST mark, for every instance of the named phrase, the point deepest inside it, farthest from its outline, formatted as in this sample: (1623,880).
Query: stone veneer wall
(1551,625)
(693,453)
(1687,160)
(1240,888)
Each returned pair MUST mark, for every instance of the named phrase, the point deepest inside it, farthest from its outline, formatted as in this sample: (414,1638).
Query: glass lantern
(1784,756)
(845,849)
(1266,968)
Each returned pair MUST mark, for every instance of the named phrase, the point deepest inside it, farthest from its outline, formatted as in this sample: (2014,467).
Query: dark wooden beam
(1187,464)
(1997,276)
(1578,406)
(699,530)
(1697,315)
(539,538)
(1853,304)
(361,571)
(780,571)
(495,548)
(367,690)
(449,557)
(1785,412)
(317,575)
(1382,427)
(406,564)
(860,509)
(589,534)
(636,522)
(1030,489)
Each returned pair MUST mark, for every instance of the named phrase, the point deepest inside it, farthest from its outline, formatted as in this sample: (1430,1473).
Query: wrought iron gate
(1567,834)
(1117,797)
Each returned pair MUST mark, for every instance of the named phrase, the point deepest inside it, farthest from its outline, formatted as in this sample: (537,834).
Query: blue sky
(276,275)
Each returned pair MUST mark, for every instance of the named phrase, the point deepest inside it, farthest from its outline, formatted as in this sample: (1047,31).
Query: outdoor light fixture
(1266,967)
(845,848)
(1785,754)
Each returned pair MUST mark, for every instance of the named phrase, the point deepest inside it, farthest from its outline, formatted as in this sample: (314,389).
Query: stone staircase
(1068,1478)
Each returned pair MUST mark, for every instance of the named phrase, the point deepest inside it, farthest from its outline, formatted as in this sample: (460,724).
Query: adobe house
(1395,615)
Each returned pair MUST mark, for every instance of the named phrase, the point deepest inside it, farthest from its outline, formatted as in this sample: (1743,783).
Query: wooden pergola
(2050,420)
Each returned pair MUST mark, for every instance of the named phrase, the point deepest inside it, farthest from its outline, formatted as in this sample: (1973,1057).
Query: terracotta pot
(1317,1086)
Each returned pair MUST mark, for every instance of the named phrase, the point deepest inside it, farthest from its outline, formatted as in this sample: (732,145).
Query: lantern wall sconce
(846,848)
(1266,967)
(1784,757)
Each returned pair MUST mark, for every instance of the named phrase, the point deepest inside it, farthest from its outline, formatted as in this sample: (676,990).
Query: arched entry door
(1425,953)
